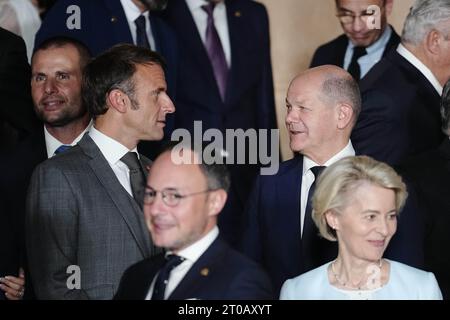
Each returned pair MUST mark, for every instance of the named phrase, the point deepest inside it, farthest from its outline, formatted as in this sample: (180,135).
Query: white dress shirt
(132,12)
(374,53)
(113,151)
(308,177)
(51,143)
(405,53)
(220,22)
(191,254)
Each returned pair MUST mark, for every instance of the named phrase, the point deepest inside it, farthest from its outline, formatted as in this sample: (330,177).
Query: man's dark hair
(62,41)
(114,69)
(216,174)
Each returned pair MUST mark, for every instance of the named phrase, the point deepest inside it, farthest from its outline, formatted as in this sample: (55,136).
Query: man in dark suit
(57,67)
(104,23)
(17,119)
(430,173)
(84,221)
(323,104)
(181,205)
(401,94)
(367,37)
(224,80)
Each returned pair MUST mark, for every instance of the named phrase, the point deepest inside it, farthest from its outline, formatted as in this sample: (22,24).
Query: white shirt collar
(132,11)
(111,149)
(380,44)
(195,250)
(408,55)
(51,143)
(348,151)
(197,4)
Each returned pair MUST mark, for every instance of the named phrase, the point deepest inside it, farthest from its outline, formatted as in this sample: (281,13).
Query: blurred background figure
(363,43)
(356,203)
(43,6)
(22,18)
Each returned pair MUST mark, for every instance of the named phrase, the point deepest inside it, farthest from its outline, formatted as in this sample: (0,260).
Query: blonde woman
(356,203)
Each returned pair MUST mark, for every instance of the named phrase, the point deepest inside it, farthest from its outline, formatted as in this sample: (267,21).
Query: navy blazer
(220,273)
(333,52)
(400,114)
(430,174)
(272,234)
(249,101)
(13,192)
(103,25)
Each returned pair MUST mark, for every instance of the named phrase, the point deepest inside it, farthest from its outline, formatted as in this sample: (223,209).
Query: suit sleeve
(407,245)
(266,101)
(51,228)
(251,242)
(378,132)
(17,107)
(251,283)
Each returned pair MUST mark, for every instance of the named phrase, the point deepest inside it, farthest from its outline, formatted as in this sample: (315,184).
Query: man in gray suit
(84,221)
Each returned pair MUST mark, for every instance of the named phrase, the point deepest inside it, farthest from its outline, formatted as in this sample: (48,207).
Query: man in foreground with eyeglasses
(367,37)
(181,205)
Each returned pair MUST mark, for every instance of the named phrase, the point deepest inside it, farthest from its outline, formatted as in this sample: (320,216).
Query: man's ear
(344,115)
(217,201)
(389,4)
(433,43)
(118,100)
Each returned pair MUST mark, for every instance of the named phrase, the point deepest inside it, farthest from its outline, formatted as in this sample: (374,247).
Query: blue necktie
(141,32)
(215,51)
(159,289)
(62,148)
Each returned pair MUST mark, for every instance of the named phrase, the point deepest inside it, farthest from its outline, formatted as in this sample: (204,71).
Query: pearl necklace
(343,283)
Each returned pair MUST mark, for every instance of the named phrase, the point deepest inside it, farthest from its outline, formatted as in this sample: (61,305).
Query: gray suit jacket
(79,214)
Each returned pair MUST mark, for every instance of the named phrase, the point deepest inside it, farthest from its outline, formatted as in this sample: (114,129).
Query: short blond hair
(336,186)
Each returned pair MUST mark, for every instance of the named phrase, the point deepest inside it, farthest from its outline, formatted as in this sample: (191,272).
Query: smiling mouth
(52,104)
(377,243)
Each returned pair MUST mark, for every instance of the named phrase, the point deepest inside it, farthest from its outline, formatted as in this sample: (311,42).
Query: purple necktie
(215,51)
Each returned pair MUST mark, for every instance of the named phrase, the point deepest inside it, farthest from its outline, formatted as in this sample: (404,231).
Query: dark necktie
(312,244)
(215,51)
(137,177)
(354,68)
(172,261)
(141,32)
(62,148)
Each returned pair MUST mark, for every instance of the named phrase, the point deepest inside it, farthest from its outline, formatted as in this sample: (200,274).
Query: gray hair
(445,109)
(338,89)
(423,17)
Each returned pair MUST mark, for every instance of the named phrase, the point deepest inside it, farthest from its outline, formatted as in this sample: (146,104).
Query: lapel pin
(237,14)
(113,19)
(204,272)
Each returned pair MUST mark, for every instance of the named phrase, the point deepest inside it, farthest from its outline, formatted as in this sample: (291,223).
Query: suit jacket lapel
(119,24)
(129,210)
(197,276)
(182,20)
(288,193)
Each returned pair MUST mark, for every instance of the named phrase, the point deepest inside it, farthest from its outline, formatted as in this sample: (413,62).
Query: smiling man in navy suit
(181,205)
(323,104)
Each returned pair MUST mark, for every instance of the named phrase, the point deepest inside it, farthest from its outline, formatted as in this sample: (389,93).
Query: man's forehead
(357,5)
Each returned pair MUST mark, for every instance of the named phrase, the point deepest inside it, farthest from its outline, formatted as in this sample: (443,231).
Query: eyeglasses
(171,197)
(346,18)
